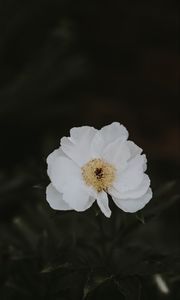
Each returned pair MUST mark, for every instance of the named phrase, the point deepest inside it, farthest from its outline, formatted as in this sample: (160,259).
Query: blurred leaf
(94,280)
(49,269)
(140,217)
(130,287)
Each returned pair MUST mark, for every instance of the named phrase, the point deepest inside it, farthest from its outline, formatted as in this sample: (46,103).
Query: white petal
(114,131)
(133,205)
(51,158)
(134,149)
(102,200)
(55,200)
(77,196)
(138,192)
(145,164)
(63,171)
(78,146)
(76,133)
(97,145)
(132,176)
(117,153)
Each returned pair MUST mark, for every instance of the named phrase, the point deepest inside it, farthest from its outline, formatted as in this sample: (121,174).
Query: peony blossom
(90,164)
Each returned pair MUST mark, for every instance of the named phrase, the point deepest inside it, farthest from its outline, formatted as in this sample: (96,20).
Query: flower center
(99,174)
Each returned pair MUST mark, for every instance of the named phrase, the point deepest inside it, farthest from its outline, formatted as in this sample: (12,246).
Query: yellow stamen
(99,174)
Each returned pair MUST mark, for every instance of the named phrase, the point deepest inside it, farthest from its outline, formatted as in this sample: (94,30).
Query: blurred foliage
(46,254)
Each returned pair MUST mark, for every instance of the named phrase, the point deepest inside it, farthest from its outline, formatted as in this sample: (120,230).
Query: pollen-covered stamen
(98,174)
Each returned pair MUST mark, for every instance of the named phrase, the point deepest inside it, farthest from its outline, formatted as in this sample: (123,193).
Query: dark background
(71,63)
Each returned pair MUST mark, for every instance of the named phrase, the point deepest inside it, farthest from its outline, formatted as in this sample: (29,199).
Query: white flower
(92,163)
